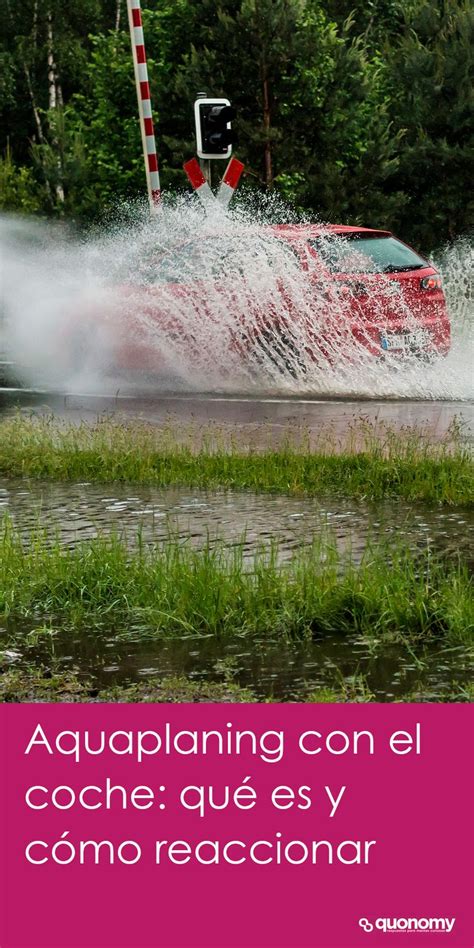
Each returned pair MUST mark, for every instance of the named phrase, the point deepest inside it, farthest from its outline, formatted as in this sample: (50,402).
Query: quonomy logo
(408,924)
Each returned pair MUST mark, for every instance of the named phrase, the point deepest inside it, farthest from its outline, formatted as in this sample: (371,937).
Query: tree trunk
(35,25)
(267,125)
(55,100)
(52,97)
(118,13)
(37,116)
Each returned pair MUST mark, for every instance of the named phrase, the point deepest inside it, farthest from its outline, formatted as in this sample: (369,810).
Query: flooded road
(247,419)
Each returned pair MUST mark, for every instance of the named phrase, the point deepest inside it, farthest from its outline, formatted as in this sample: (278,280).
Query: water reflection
(270,667)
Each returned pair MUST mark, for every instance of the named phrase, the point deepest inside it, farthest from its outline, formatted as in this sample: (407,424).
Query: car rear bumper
(401,339)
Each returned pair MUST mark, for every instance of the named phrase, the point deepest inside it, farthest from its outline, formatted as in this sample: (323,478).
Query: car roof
(293,233)
(298,231)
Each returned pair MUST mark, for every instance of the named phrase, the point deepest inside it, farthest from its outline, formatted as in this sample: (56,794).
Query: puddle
(76,512)
(270,667)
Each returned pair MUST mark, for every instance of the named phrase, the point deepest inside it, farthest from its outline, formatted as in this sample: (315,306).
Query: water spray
(144,103)
(216,303)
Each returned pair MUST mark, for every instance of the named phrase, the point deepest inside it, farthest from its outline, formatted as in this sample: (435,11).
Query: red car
(294,294)
(396,304)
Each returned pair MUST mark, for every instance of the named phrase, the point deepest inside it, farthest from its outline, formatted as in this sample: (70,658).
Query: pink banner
(236,825)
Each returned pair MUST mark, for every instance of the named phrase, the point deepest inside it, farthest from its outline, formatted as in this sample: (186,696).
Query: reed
(173,589)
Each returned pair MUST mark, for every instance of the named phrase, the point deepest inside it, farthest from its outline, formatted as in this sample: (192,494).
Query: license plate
(403,340)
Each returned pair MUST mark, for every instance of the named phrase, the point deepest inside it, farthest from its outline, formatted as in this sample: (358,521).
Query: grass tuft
(175,589)
(373,461)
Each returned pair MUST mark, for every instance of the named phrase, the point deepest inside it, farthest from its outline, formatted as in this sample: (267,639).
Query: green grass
(176,590)
(39,684)
(373,462)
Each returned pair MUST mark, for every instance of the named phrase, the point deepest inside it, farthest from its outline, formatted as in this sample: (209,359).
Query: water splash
(216,303)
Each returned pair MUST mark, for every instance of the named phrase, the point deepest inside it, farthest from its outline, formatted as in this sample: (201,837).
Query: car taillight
(431,282)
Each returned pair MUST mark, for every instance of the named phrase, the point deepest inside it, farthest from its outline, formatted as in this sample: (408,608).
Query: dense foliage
(359,112)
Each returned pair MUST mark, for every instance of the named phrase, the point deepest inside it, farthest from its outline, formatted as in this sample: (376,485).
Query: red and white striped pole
(144,103)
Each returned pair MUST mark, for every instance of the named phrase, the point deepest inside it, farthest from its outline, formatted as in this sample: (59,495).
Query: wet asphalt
(245,414)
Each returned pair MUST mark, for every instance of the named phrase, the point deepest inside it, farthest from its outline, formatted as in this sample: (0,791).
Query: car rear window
(354,254)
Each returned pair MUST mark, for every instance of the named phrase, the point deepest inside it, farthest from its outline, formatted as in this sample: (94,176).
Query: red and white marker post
(227,186)
(144,103)
(198,182)
(230,181)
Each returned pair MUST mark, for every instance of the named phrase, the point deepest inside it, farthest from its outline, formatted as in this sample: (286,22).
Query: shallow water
(270,667)
(76,512)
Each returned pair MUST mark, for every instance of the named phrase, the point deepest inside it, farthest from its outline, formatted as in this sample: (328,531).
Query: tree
(17,188)
(250,50)
(45,51)
(355,111)
(430,80)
